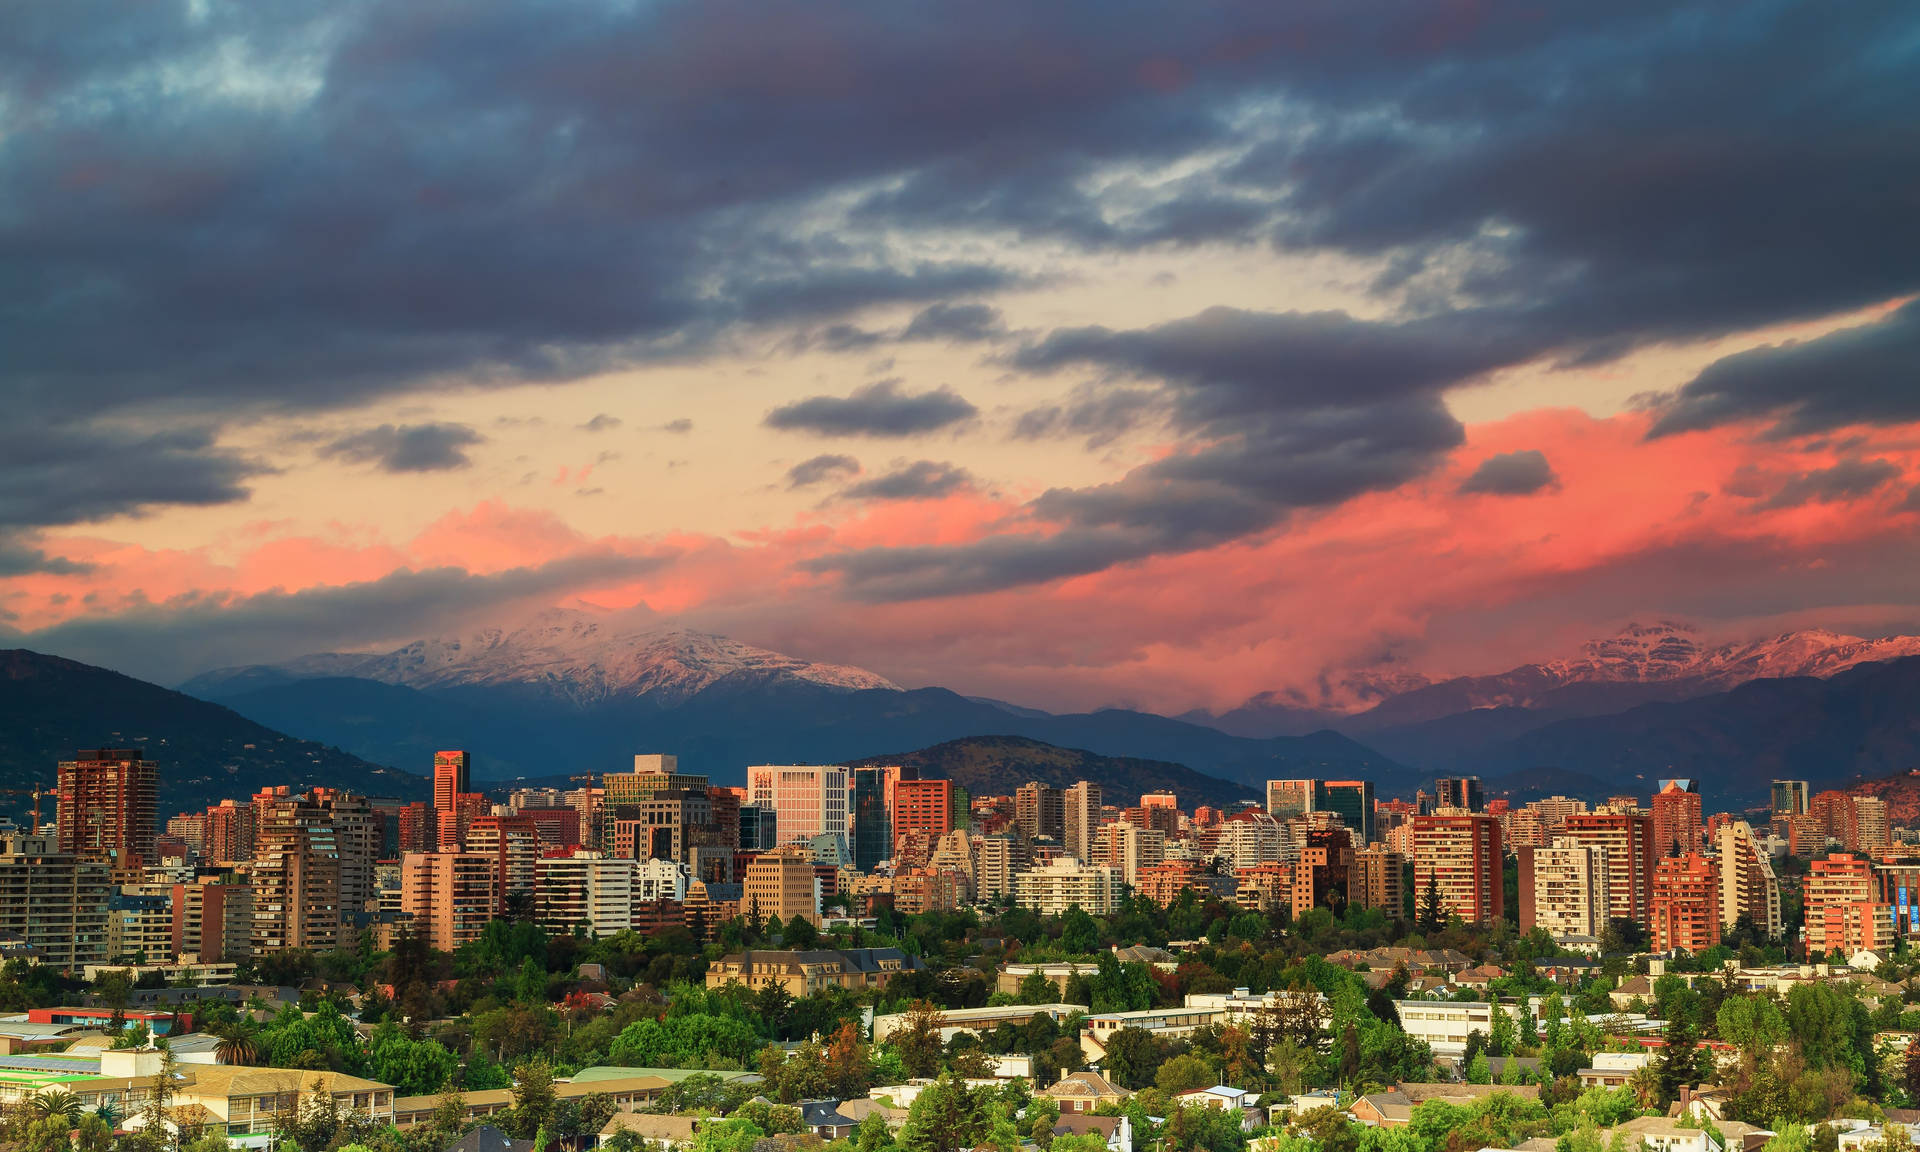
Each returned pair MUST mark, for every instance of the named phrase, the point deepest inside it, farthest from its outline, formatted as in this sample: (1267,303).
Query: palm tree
(108,1114)
(236,1048)
(56,1102)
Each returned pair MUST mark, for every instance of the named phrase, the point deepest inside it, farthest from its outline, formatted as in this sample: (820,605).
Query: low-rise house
(1083,1092)
(1669,1134)
(825,1120)
(1226,1099)
(487,1138)
(1394,1108)
(657,1131)
(629,1093)
(1445,1025)
(1116,1130)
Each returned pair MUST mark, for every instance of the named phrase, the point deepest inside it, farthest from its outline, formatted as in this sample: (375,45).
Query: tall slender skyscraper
(1082,803)
(450,778)
(873,815)
(809,799)
(107,798)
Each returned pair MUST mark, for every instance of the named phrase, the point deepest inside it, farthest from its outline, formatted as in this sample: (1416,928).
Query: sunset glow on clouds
(1062,354)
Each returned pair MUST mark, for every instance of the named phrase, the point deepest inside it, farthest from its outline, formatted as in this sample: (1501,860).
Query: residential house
(825,1120)
(1083,1092)
(1116,1130)
(658,1131)
(1226,1099)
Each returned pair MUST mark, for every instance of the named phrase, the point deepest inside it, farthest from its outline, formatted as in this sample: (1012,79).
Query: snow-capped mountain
(1666,659)
(572,655)
(1641,663)
(1668,651)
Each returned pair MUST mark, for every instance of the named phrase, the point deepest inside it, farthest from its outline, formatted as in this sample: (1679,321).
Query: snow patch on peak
(585,658)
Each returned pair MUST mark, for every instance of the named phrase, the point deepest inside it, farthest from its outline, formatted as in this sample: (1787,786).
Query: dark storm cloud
(70,473)
(954,322)
(820,469)
(678,427)
(298,206)
(408,447)
(1286,411)
(876,410)
(601,423)
(1099,414)
(18,559)
(1519,473)
(1845,481)
(1864,375)
(920,480)
(168,642)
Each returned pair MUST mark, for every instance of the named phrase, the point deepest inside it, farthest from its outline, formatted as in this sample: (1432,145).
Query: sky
(1080,354)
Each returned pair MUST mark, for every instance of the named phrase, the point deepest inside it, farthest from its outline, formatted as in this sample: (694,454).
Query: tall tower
(1082,817)
(296,877)
(1677,823)
(107,798)
(1459,854)
(450,778)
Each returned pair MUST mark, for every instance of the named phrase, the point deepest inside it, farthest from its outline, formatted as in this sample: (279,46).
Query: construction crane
(36,792)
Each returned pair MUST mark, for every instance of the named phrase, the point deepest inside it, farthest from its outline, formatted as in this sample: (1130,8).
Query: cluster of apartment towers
(1682,878)
(656,847)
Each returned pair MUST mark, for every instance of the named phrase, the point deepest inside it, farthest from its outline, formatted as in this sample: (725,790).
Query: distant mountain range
(565,656)
(575,693)
(996,765)
(50,708)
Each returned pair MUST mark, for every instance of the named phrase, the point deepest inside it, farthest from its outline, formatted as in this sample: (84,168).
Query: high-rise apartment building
(1629,840)
(1686,904)
(55,901)
(1082,808)
(1353,801)
(1462,792)
(1065,882)
(588,890)
(1842,908)
(1872,830)
(357,835)
(780,885)
(107,798)
(1250,838)
(923,807)
(212,920)
(1290,797)
(227,832)
(992,867)
(452,772)
(296,877)
(1790,797)
(1323,872)
(1554,811)
(1748,886)
(513,844)
(1041,811)
(1460,854)
(449,897)
(809,800)
(1563,890)
(1129,848)
(140,924)
(1378,880)
(1678,823)
(1835,813)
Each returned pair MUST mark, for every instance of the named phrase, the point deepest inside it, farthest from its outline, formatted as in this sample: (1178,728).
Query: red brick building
(1686,904)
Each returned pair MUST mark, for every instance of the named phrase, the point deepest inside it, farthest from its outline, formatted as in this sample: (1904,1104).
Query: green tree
(918,1038)
(533,1099)
(1184,1073)
(1079,933)
(947,1116)
(800,935)
(1132,1056)
(1477,1070)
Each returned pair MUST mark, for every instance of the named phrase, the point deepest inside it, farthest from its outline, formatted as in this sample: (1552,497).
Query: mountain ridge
(572,656)
(51,706)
